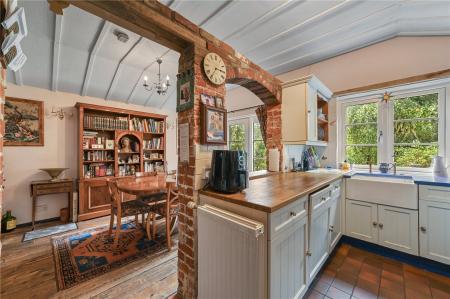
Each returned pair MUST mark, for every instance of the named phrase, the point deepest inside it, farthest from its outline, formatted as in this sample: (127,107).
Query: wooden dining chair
(168,209)
(124,209)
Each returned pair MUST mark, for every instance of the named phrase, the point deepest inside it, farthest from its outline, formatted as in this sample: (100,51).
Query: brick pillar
(273,127)
(189,179)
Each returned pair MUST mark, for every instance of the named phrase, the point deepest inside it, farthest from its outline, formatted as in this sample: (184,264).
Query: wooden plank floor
(28,271)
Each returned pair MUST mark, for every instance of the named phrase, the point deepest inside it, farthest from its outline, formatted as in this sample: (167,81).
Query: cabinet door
(361,220)
(319,241)
(434,219)
(294,113)
(398,229)
(335,222)
(287,262)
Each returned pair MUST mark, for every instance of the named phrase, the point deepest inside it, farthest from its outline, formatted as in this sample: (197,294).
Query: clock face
(215,68)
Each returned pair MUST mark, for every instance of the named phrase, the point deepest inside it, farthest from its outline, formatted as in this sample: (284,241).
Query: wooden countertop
(273,192)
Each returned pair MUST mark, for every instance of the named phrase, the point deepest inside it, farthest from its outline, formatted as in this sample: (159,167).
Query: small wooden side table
(50,187)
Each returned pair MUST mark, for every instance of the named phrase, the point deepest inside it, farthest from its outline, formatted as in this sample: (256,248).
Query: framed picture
(214,125)
(219,102)
(185,91)
(207,99)
(24,122)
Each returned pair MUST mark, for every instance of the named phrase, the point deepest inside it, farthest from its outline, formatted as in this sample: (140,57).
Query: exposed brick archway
(153,20)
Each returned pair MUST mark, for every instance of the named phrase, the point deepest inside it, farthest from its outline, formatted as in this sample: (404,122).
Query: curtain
(261,113)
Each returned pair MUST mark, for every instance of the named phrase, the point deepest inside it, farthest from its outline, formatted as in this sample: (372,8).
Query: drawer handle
(293,214)
(323,198)
(423,229)
(374,223)
(380,225)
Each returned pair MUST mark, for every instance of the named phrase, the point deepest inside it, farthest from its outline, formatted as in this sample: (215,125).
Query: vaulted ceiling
(285,35)
(79,53)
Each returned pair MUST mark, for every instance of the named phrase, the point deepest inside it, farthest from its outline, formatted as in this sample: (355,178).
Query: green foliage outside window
(415,131)
(237,137)
(259,149)
(361,133)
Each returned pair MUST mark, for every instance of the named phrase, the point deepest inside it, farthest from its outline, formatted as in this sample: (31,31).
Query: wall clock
(215,68)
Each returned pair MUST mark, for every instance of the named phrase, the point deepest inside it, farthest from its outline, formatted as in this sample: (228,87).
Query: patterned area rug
(87,254)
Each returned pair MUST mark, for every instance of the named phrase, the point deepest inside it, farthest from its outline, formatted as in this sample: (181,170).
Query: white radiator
(231,255)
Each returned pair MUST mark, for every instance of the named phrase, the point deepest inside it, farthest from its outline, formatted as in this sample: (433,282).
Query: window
(416,127)
(259,149)
(245,134)
(408,129)
(361,127)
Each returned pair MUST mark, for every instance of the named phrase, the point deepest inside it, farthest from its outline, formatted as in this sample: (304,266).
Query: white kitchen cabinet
(319,240)
(288,278)
(335,221)
(361,220)
(434,219)
(398,229)
(301,100)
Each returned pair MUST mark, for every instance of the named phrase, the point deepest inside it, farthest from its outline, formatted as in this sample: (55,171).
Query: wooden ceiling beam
(118,71)
(147,18)
(56,50)
(93,55)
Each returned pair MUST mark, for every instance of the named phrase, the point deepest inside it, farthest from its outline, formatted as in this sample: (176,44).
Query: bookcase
(115,142)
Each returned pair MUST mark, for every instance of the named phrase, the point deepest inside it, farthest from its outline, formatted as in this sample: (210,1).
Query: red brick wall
(2,132)
(191,59)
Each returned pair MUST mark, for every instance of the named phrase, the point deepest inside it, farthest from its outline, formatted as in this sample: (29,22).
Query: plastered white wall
(22,163)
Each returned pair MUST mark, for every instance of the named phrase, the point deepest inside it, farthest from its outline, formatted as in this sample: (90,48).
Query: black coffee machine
(229,171)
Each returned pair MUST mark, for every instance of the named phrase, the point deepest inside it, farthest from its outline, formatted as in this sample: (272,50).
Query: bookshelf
(115,142)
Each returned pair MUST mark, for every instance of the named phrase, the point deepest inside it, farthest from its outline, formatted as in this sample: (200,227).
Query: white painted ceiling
(285,35)
(79,53)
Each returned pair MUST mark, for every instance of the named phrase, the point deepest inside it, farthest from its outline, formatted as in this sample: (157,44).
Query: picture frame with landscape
(24,122)
(214,125)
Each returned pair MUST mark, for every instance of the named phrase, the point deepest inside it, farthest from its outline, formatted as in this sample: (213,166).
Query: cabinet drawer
(56,188)
(336,189)
(284,217)
(320,198)
(434,193)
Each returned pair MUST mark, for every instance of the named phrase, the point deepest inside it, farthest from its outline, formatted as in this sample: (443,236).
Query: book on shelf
(147,125)
(102,122)
(153,156)
(153,166)
(97,170)
(154,143)
(98,156)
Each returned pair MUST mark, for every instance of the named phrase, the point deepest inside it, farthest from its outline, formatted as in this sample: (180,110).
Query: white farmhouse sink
(395,191)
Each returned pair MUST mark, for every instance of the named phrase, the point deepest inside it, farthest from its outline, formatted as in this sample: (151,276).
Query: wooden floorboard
(28,271)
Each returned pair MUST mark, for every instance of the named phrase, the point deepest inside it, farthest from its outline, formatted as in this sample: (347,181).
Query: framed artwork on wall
(24,122)
(185,91)
(207,99)
(214,125)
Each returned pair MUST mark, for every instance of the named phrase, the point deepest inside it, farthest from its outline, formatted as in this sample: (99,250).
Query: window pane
(416,131)
(238,145)
(362,134)
(415,155)
(259,149)
(362,113)
(424,106)
(361,154)
(237,132)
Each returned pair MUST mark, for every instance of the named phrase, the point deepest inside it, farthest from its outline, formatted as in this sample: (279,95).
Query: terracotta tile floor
(358,274)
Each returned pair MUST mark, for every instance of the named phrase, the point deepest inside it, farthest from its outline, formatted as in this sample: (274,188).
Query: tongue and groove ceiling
(79,53)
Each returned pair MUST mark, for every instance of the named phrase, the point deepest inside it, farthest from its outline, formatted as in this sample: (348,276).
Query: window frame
(385,122)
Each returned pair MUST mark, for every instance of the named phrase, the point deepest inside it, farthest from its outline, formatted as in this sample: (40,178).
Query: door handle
(380,225)
(331,229)
(308,253)
(374,223)
(293,214)
(423,229)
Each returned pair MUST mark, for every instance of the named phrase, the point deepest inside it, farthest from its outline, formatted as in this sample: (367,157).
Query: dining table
(145,186)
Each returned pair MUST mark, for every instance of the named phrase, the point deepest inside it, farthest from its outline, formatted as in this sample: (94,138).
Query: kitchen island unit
(270,240)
